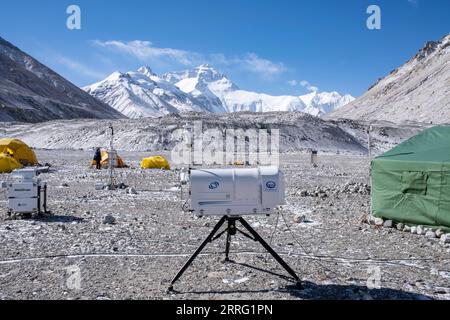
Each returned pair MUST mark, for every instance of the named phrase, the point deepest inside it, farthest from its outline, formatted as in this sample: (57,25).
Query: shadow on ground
(49,218)
(313,291)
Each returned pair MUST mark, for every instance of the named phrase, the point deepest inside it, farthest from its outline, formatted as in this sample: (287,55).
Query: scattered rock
(379,222)
(439,233)
(414,230)
(304,193)
(407,228)
(300,218)
(109,220)
(400,226)
(64,184)
(420,230)
(132,191)
(430,234)
(388,224)
(445,238)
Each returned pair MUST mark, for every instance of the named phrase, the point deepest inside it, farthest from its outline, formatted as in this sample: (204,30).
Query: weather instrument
(234,193)
(27,194)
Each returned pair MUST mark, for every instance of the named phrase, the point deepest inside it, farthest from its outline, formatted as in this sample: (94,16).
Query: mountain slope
(31,92)
(417,91)
(141,93)
(298,131)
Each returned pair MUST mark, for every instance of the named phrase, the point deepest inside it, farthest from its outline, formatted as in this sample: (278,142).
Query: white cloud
(79,68)
(308,86)
(147,53)
(293,83)
(263,66)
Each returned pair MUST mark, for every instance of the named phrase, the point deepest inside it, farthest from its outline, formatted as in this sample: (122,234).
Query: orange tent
(105,161)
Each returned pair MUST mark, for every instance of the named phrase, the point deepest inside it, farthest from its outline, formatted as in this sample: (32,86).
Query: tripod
(231,230)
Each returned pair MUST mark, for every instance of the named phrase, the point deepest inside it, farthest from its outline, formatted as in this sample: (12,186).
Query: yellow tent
(105,161)
(20,151)
(8,163)
(157,162)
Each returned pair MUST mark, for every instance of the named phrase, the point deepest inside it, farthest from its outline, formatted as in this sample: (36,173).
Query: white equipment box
(236,192)
(27,194)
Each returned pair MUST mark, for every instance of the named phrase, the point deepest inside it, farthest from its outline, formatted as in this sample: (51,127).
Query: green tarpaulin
(411,183)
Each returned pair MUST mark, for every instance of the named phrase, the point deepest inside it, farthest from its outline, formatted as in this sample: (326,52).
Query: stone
(299,218)
(414,230)
(109,220)
(132,191)
(420,230)
(379,222)
(430,234)
(388,224)
(400,226)
(407,228)
(439,233)
(65,185)
(303,193)
(445,238)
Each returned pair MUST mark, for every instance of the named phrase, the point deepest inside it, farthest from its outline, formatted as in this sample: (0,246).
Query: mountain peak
(205,66)
(116,75)
(146,70)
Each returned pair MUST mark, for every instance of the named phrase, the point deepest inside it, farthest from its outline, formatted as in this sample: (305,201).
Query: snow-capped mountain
(206,80)
(417,91)
(31,92)
(199,83)
(141,93)
(144,94)
(319,104)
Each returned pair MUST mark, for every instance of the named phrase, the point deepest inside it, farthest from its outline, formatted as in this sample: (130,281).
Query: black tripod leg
(270,250)
(227,247)
(192,258)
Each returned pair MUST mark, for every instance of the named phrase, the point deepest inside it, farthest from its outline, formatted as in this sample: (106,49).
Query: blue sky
(277,47)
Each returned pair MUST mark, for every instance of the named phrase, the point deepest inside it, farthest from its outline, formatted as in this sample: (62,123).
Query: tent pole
(369,149)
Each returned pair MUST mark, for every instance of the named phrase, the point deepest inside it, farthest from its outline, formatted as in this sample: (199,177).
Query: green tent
(411,183)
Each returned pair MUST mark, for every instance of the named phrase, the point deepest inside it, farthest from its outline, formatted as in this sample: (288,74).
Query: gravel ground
(75,254)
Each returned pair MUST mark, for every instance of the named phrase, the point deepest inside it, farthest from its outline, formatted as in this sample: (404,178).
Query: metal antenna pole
(112,158)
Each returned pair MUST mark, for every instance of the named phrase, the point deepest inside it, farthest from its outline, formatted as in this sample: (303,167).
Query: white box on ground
(236,192)
(27,193)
